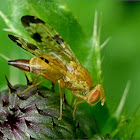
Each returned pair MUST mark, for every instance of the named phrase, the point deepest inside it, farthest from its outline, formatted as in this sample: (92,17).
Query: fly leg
(36,78)
(75,106)
(79,96)
(74,102)
(35,83)
(61,99)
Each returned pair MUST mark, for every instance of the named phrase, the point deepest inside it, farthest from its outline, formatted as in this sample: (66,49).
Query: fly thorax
(70,68)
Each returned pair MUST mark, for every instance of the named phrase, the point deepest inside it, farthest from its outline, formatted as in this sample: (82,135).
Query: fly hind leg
(35,83)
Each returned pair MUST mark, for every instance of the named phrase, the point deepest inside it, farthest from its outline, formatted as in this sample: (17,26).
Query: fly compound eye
(94,97)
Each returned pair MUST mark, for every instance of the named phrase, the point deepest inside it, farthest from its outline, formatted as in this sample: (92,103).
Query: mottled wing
(37,52)
(26,45)
(48,39)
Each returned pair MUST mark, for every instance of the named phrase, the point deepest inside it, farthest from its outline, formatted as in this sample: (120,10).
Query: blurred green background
(121,56)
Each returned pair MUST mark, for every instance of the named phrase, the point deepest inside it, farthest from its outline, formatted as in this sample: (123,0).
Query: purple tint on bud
(20,63)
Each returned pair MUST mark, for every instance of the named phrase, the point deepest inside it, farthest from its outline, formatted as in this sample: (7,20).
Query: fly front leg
(79,96)
(75,106)
(33,85)
(61,98)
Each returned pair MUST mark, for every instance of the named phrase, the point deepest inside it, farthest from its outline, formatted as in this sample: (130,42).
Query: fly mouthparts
(20,63)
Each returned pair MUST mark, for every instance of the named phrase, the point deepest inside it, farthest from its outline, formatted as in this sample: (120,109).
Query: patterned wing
(26,45)
(36,51)
(48,40)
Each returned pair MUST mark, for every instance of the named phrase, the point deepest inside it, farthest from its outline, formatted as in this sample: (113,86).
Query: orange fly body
(55,61)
